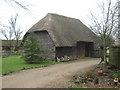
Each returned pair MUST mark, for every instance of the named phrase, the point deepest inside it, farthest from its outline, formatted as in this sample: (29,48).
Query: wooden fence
(115,55)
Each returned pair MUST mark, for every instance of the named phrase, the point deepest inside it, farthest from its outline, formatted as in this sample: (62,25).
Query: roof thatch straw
(64,31)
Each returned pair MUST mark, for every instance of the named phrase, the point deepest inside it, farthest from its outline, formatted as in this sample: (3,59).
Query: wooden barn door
(80,49)
(88,49)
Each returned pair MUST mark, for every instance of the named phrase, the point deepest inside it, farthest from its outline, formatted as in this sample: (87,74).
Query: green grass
(15,63)
(76,87)
(0,65)
(81,57)
(117,75)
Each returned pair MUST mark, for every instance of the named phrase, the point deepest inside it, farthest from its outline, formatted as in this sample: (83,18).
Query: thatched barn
(63,36)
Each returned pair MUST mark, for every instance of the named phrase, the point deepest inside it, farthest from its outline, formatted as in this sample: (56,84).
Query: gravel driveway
(54,76)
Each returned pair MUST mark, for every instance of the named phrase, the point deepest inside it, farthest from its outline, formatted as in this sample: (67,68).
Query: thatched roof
(64,31)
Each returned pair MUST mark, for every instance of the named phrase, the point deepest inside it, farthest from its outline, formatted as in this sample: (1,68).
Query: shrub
(32,50)
(117,75)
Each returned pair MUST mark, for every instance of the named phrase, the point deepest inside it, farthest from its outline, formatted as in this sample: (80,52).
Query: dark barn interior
(84,49)
(65,51)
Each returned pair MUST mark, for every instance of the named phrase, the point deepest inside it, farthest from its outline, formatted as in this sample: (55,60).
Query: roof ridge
(61,16)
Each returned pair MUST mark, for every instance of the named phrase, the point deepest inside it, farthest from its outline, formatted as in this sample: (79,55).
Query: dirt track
(55,76)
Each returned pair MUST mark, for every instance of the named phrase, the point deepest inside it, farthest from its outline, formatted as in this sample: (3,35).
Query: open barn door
(84,49)
(88,49)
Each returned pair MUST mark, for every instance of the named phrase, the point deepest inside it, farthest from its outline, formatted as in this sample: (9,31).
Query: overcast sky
(79,9)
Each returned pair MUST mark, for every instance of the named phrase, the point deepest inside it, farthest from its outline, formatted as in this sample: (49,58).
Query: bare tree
(12,31)
(14,3)
(17,33)
(7,33)
(105,26)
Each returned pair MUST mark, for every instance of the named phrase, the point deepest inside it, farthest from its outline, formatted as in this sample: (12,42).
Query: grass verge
(15,63)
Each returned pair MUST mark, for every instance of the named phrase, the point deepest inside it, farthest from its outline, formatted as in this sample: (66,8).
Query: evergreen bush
(32,50)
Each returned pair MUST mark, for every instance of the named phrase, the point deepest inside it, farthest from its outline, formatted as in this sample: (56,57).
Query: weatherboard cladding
(64,31)
(46,44)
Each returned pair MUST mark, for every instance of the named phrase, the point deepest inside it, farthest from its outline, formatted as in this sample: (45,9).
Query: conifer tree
(32,50)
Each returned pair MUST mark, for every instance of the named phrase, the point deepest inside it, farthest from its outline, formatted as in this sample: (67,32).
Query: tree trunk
(104,51)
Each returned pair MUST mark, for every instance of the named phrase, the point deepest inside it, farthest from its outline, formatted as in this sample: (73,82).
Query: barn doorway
(84,49)
(88,49)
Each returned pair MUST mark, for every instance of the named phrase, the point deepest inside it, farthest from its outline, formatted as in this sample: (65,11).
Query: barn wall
(80,49)
(47,44)
(89,49)
(66,51)
(96,50)
(85,49)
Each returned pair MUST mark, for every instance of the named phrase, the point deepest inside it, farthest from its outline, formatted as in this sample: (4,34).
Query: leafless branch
(19,4)
(105,25)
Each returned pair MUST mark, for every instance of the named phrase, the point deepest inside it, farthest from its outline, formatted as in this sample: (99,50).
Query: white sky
(79,9)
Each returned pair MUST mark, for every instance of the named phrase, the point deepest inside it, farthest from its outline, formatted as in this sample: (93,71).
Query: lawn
(15,63)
